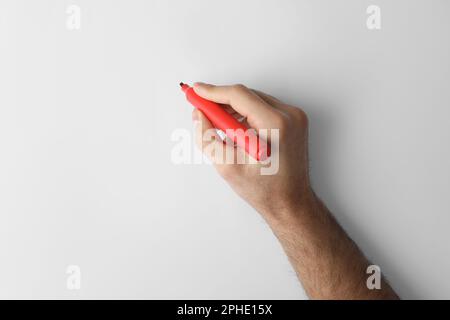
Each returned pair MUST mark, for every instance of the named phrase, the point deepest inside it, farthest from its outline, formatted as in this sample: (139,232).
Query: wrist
(299,207)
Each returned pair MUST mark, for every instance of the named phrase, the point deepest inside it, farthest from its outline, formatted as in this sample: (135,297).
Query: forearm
(326,260)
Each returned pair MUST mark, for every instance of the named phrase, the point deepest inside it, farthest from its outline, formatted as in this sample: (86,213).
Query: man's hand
(326,260)
(272,195)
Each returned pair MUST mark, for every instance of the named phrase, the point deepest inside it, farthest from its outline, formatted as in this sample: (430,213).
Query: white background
(86,119)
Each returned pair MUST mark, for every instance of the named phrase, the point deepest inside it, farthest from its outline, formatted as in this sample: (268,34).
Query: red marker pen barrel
(235,130)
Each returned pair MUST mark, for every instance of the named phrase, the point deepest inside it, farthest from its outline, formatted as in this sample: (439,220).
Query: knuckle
(300,116)
(281,122)
(239,88)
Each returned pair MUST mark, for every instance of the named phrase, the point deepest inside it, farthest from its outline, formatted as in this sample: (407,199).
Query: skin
(325,259)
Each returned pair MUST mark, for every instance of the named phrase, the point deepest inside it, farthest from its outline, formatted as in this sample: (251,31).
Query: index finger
(259,114)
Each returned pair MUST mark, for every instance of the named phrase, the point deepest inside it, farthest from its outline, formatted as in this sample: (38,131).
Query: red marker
(222,120)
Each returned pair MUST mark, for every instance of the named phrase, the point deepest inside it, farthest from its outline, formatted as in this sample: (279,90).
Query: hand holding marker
(308,232)
(235,130)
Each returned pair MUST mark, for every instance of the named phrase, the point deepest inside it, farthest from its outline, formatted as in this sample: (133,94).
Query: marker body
(235,130)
